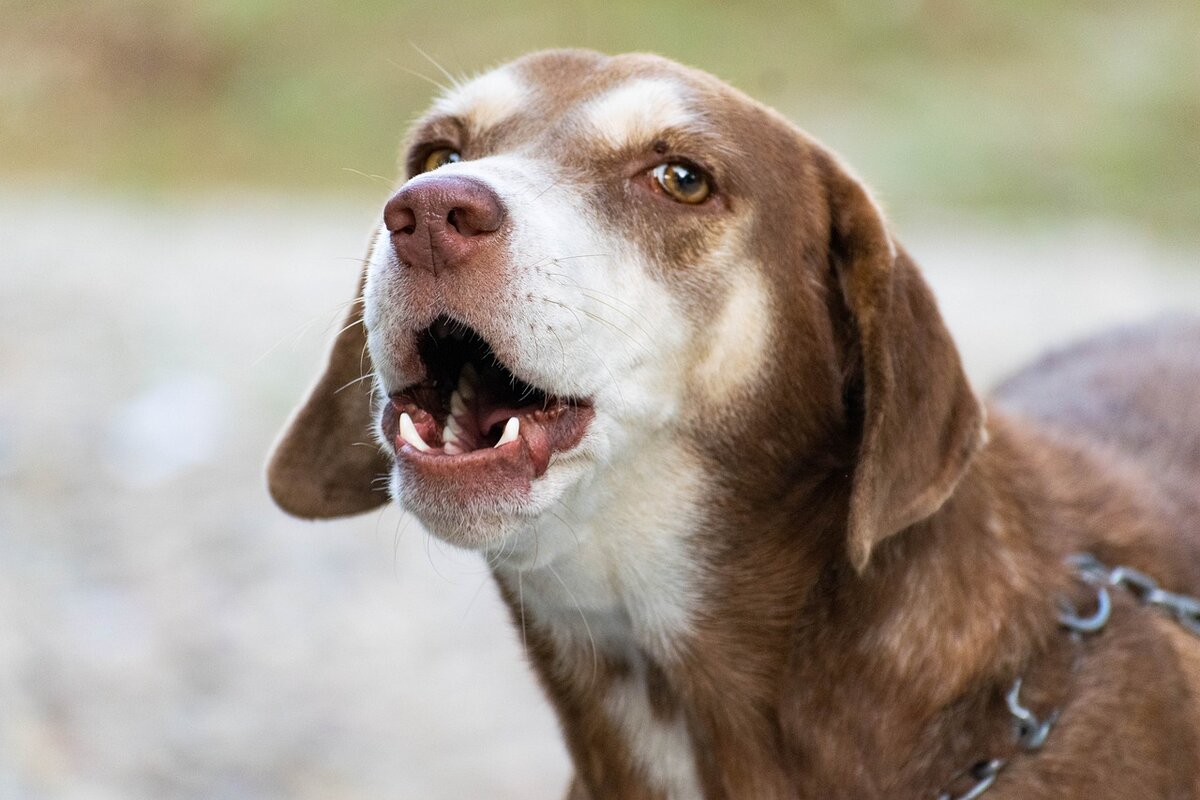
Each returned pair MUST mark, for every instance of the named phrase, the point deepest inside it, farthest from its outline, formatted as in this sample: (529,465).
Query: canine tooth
(511,429)
(457,404)
(454,427)
(453,449)
(466,382)
(408,432)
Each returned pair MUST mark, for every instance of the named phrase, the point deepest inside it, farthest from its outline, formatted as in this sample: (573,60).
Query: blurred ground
(166,633)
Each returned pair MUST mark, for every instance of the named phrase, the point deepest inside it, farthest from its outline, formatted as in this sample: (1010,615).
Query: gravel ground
(165,632)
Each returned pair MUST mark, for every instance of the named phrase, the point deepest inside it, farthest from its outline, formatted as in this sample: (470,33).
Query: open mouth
(472,418)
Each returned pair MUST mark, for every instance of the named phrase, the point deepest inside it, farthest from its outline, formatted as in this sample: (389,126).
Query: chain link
(1029,731)
(1183,608)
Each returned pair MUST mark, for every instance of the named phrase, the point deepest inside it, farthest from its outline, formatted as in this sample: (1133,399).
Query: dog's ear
(325,463)
(920,420)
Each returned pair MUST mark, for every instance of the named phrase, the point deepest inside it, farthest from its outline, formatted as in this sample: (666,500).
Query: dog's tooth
(458,406)
(453,449)
(408,432)
(512,429)
(466,382)
(455,427)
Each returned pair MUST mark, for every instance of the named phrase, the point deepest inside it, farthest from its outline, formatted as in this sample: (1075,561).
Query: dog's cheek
(734,338)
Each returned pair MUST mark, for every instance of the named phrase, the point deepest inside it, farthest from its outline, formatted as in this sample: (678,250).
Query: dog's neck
(679,654)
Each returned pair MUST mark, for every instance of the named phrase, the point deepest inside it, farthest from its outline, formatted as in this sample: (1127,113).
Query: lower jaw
(484,519)
(505,470)
(489,481)
(482,488)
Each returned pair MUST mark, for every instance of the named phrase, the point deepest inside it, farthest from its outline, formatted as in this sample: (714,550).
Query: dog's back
(1131,392)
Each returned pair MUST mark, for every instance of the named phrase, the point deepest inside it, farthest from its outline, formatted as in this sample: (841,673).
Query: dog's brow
(485,101)
(634,113)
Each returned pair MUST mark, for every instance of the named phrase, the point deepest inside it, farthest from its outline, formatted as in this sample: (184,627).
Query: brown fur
(879,563)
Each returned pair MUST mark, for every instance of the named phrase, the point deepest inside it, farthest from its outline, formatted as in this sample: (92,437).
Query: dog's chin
(463,516)
(469,530)
(479,453)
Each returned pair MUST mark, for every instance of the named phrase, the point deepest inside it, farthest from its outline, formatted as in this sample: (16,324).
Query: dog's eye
(440,158)
(683,182)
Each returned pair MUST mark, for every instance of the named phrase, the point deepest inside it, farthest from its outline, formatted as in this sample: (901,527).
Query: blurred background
(185,190)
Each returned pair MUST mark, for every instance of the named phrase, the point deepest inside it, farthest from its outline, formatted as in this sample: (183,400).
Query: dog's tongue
(490,416)
(495,403)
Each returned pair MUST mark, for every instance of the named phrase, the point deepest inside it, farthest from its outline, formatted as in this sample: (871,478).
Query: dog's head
(595,257)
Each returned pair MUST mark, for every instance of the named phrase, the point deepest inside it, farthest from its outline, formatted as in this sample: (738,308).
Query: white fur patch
(634,113)
(485,101)
(739,337)
(612,572)
(661,749)
(612,568)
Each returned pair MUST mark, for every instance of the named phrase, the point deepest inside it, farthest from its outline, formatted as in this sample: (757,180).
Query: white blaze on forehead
(485,101)
(635,112)
(738,338)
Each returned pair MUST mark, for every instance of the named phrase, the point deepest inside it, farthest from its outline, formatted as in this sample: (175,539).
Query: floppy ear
(921,422)
(325,463)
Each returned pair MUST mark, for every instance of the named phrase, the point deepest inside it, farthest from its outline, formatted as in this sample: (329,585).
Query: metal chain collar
(1030,732)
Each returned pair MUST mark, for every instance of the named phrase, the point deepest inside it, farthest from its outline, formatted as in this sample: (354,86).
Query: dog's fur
(792,556)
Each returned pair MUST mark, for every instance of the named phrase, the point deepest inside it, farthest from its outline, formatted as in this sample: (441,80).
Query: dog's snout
(440,222)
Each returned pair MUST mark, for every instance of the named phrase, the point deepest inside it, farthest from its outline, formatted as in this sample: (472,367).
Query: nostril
(399,218)
(466,223)
(477,216)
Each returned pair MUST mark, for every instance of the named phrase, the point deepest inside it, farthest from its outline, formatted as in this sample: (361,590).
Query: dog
(657,355)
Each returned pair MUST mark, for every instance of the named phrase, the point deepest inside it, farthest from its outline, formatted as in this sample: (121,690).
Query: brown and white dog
(655,353)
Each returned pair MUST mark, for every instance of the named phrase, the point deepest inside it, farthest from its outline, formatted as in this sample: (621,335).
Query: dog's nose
(441,222)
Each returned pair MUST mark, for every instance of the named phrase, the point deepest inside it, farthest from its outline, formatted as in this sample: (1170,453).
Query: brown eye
(683,182)
(440,158)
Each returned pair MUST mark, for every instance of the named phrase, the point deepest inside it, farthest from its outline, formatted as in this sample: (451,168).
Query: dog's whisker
(582,255)
(349,325)
(561,347)
(582,339)
(583,616)
(433,82)
(402,526)
(567,525)
(370,176)
(645,348)
(521,606)
(552,185)
(301,330)
(362,356)
(455,83)
(348,384)
(632,319)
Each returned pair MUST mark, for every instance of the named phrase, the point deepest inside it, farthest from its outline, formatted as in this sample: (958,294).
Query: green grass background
(1022,110)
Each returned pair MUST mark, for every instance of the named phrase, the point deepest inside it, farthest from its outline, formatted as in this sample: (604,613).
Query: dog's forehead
(614,101)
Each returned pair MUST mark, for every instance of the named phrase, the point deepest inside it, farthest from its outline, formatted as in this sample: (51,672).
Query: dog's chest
(616,605)
(594,625)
